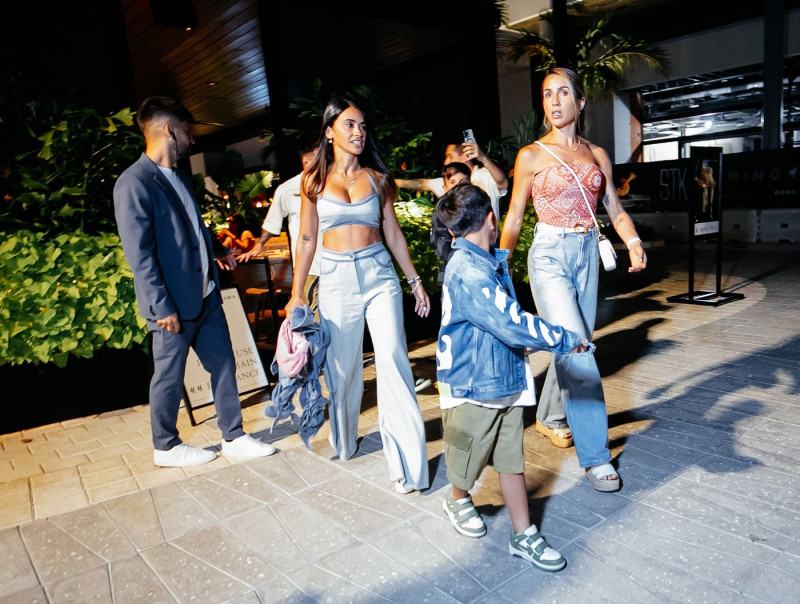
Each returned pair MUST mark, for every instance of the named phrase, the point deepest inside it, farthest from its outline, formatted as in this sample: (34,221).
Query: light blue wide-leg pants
(563,271)
(355,286)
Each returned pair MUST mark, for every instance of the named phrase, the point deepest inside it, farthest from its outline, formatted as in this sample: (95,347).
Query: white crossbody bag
(607,253)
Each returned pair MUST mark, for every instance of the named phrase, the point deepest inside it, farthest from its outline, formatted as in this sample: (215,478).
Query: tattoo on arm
(306,237)
(265,236)
(606,200)
(618,221)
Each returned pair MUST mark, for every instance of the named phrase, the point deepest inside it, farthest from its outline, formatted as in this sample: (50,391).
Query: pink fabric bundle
(291,352)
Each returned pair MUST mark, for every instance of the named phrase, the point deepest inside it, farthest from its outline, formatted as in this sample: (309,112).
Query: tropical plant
(216,209)
(62,295)
(603,55)
(414,215)
(66,162)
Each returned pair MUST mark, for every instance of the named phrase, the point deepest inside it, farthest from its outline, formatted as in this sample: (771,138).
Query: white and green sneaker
(464,516)
(533,547)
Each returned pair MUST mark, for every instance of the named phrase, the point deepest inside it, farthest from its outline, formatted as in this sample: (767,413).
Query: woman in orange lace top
(563,266)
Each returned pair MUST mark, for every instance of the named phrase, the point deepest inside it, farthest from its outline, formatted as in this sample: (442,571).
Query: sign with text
(250,373)
(653,187)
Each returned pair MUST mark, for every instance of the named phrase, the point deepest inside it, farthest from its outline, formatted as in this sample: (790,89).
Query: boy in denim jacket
(483,373)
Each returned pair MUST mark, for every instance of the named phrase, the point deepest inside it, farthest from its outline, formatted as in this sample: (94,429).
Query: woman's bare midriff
(350,237)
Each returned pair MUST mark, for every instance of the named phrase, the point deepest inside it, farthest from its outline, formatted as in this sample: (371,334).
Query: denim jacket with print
(484,331)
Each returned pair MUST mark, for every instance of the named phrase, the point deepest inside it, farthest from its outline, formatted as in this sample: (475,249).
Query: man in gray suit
(172,256)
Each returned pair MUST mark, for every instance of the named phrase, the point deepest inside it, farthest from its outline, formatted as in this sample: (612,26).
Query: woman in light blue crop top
(348,195)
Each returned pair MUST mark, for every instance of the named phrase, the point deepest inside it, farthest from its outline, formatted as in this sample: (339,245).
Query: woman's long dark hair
(320,168)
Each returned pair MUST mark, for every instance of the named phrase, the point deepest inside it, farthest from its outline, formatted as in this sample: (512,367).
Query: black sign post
(705,222)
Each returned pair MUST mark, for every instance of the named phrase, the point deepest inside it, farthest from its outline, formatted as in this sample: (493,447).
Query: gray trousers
(361,285)
(208,335)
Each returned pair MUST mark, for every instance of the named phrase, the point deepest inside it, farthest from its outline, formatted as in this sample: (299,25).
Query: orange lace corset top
(557,197)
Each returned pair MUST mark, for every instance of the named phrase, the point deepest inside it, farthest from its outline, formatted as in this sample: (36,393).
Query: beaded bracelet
(413,279)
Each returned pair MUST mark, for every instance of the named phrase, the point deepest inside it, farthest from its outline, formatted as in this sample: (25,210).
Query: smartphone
(468,136)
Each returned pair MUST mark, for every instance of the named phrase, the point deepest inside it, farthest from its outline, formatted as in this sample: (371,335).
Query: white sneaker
(182,455)
(246,446)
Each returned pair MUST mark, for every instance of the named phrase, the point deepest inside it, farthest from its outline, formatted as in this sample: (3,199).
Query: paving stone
(638,573)
(479,558)
(33,595)
(17,573)
(677,454)
(311,527)
(218,499)
(178,512)
(642,472)
(188,577)
(413,551)
(263,531)
(94,528)
(757,520)
(100,478)
(318,586)
(706,552)
(750,479)
(356,506)
(91,586)
(248,598)
(91,467)
(13,516)
(533,585)
(224,551)
(135,582)
(278,470)
(59,463)
(794,548)
(57,498)
(112,490)
(371,570)
(51,478)
(568,510)
(242,479)
(137,516)
(775,585)
(55,554)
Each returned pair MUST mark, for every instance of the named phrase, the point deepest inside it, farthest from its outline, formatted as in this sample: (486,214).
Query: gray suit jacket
(160,243)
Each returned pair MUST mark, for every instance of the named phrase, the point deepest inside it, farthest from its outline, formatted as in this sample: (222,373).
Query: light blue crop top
(333,213)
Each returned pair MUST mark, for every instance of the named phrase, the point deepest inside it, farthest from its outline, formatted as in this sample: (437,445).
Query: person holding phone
(484,172)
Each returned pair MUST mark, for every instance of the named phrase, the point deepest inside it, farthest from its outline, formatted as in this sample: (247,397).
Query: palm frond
(603,55)
(501,12)
(514,45)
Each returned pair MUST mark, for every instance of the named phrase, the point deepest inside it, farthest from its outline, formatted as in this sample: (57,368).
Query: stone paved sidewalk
(704,407)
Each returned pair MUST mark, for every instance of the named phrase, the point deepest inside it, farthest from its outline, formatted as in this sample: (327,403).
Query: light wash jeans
(563,270)
(354,286)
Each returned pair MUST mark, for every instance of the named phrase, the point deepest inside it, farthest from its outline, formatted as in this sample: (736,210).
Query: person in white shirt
(286,204)
(485,174)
